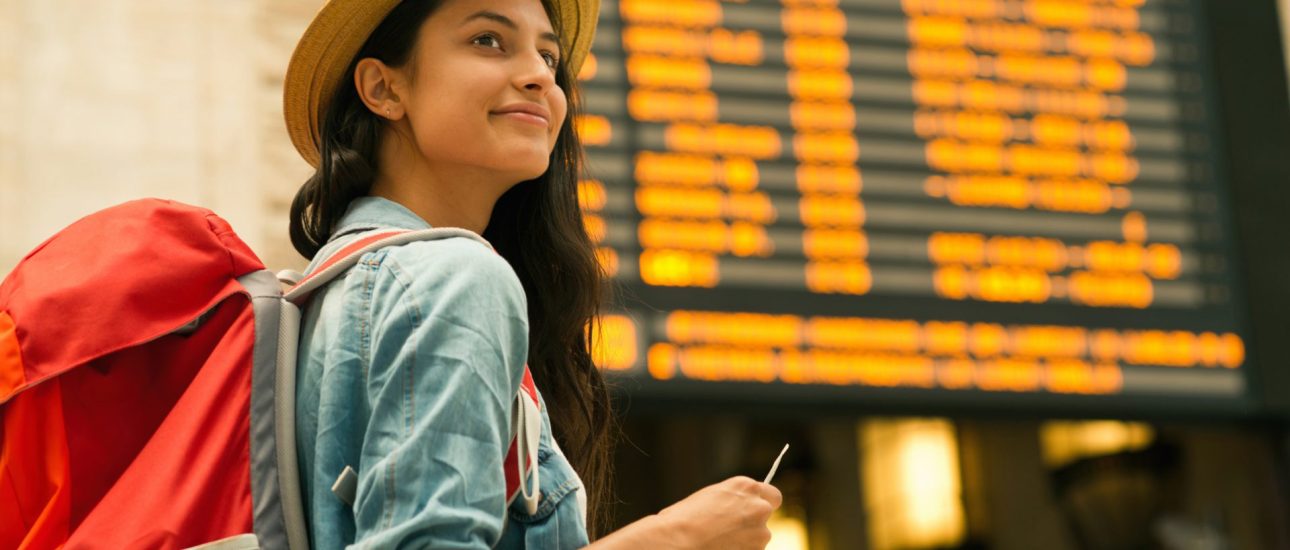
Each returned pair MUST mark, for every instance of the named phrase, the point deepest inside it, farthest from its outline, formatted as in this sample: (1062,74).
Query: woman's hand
(730,514)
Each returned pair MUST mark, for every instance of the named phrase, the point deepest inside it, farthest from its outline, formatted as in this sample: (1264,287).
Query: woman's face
(478,65)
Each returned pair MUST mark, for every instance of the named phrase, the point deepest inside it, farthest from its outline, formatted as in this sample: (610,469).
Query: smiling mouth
(528,118)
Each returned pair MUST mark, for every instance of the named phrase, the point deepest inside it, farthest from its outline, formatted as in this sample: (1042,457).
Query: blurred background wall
(107,101)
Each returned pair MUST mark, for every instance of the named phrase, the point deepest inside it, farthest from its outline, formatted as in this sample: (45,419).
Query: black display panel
(929,202)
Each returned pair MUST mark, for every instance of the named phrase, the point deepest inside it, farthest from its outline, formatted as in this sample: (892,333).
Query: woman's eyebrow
(504,20)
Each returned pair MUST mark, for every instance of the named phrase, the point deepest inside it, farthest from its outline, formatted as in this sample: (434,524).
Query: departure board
(954,198)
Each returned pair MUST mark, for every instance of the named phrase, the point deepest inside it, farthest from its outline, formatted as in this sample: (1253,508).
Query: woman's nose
(534,73)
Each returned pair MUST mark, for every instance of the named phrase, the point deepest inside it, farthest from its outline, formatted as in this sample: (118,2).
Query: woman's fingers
(733,512)
(764,491)
(770,494)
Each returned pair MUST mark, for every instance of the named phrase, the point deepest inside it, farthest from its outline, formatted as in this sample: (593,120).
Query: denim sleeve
(448,342)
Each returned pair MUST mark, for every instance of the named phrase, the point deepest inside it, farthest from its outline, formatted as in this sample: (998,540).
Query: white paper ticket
(775,466)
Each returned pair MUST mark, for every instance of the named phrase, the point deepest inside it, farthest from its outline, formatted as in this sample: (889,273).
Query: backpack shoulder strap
(347,256)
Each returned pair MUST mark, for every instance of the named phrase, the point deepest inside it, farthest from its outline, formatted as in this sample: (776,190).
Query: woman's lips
(527,118)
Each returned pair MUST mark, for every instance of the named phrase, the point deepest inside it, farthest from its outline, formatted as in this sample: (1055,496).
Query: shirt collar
(377,212)
(365,214)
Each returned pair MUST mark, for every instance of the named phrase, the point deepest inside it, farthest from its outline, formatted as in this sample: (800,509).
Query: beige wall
(103,102)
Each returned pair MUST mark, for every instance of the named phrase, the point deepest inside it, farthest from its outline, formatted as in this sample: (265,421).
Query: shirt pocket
(558,521)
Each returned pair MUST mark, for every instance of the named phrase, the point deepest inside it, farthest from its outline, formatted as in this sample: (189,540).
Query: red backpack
(141,400)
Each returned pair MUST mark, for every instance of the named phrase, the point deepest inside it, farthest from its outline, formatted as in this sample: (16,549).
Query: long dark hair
(536,225)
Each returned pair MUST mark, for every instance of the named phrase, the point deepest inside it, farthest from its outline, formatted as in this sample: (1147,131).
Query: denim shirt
(408,366)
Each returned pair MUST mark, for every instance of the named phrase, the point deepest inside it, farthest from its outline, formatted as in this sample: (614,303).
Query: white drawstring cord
(526,441)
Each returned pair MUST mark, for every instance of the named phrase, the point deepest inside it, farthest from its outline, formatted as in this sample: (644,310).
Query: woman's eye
(491,41)
(484,39)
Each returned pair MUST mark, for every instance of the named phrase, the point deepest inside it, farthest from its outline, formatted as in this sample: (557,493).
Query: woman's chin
(526,165)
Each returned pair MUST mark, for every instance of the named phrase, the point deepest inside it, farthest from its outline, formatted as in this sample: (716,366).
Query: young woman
(458,113)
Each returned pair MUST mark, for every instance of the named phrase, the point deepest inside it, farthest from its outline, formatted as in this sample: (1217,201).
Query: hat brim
(338,31)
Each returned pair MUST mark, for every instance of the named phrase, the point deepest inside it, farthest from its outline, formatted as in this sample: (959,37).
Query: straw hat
(339,31)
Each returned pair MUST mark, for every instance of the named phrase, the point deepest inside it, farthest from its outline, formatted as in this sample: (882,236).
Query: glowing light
(816,52)
(594,129)
(675,168)
(666,72)
(863,334)
(993,284)
(659,105)
(817,115)
(1111,289)
(736,48)
(813,20)
(913,494)
(979,126)
(831,210)
(749,239)
(680,202)
(678,268)
(1064,442)
(608,260)
(830,147)
(758,142)
(739,173)
(1043,70)
(1079,377)
(1007,374)
(1015,99)
(747,329)
(817,178)
(725,363)
(1135,48)
(754,207)
(1134,227)
(1105,74)
(614,343)
(684,202)
(819,84)
(595,227)
(705,236)
(787,531)
(970,9)
(835,243)
(946,337)
(1068,359)
(591,195)
(841,277)
(664,40)
(722,45)
(589,67)
(1077,15)
(937,31)
(961,248)
(662,361)
(685,13)
(958,64)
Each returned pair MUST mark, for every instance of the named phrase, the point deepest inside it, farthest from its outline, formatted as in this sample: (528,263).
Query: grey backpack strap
(270,496)
(284,404)
(348,255)
(284,429)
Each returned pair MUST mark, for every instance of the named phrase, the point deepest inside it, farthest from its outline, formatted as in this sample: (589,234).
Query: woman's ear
(378,86)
